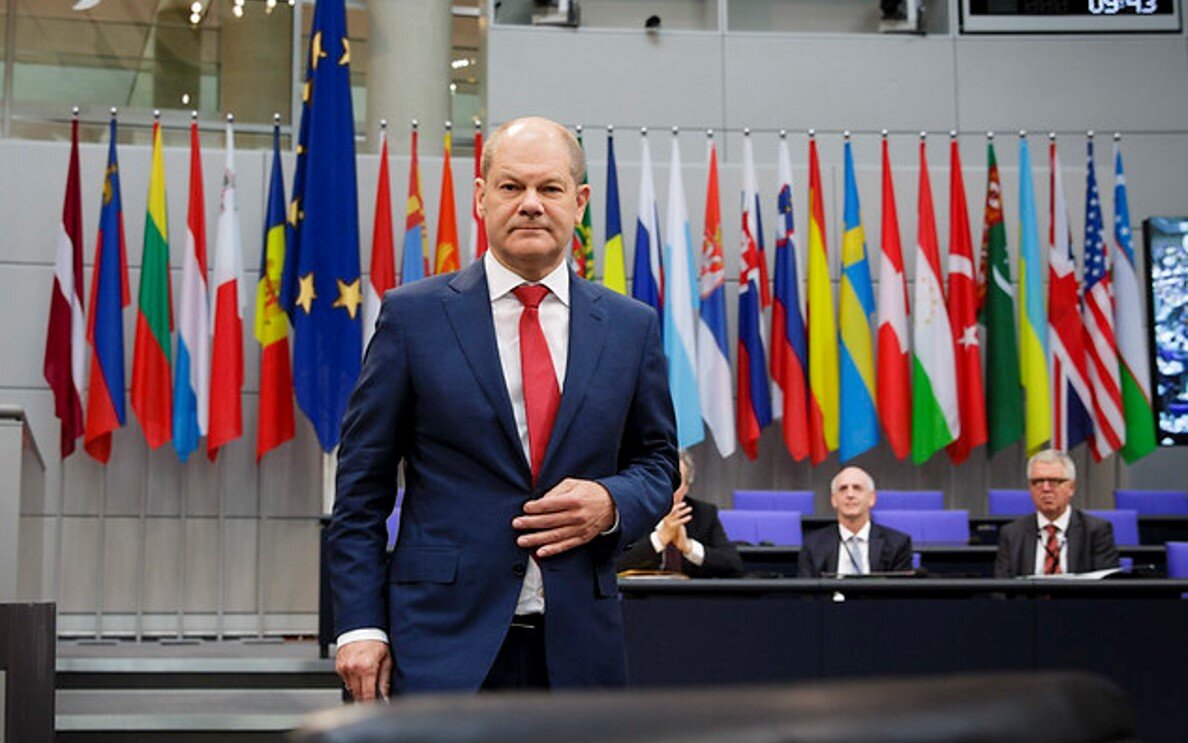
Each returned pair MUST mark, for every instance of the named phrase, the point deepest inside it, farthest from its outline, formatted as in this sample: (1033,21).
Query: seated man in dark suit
(1057,538)
(857,546)
(689,540)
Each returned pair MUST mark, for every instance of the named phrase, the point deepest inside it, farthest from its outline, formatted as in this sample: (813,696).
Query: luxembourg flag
(191,380)
(680,329)
(713,353)
(226,365)
(649,271)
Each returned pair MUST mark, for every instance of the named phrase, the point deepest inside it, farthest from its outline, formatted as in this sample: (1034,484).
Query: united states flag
(1101,349)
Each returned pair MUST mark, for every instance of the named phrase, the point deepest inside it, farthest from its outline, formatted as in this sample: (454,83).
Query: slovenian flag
(789,350)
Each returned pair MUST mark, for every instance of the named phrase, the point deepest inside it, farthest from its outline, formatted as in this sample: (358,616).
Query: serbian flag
(713,353)
(614,272)
(382,275)
(226,359)
(754,387)
(191,379)
(152,391)
(789,350)
(415,261)
(649,274)
(963,317)
(65,342)
(105,316)
(822,325)
(478,228)
(446,258)
(894,390)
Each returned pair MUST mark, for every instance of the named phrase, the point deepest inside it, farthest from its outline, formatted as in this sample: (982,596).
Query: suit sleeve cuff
(367,633)
(614,529)
(656,543)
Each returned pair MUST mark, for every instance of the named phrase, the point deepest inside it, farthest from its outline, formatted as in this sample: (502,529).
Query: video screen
(1166,240)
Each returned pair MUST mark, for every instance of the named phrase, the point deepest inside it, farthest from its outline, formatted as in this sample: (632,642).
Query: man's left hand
(568,516)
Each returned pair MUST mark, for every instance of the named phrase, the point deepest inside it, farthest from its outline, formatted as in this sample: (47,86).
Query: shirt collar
(863,533)
(1061,521)
(501,279)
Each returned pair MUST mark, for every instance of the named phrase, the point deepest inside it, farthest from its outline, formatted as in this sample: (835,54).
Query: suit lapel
(830,565)
(1077,540)
(874,551)
(467,304)
(1028,545)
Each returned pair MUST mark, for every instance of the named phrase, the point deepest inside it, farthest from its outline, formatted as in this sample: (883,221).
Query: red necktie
(542,394)
(1052,551)
(672,558)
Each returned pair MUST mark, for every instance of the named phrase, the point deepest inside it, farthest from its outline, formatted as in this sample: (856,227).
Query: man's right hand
(365,667)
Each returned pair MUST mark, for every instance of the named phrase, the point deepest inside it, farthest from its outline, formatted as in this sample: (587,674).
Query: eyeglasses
(1039,482)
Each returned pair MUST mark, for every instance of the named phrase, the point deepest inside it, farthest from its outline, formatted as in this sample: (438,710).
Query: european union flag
(321,287)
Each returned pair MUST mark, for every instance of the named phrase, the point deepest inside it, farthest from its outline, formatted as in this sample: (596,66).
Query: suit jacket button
(519,570)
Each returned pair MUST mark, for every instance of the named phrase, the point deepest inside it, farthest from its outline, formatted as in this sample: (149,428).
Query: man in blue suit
(532,413)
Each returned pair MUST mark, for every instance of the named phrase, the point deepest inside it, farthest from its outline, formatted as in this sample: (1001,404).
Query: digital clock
(1069,16)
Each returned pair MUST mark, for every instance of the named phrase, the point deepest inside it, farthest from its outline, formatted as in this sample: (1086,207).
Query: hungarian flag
(936,420)
(65,342)
(105,316)
(789,350)
(713,353)
(583,233)
(191,380)
(226,358)
(894,373)
(415,262)
(614,272)
(446,258)
(382,275)
(822,325)
(478,228)
(275,423)
(152,390)
(1033,321)
(1004,391)
(963,317)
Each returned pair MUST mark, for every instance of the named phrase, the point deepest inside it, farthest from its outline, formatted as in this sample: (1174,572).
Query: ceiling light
(196,7)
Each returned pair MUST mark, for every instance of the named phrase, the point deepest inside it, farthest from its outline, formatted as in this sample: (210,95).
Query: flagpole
(329,466)
(183,514)
(221,542)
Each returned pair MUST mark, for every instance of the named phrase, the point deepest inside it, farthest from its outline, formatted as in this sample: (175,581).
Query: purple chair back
(1177,559)
(1007,502)
(909,500)
(1125,523)
(928,527)
(780,528)
(774,500)
(1153,502)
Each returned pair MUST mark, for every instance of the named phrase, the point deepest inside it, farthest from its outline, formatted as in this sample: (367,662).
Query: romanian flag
(191,380)
(478,228)
(614,272)
(859,428)
(754,387)
(226,356)
(822,326)
(1033,319)
(105,317)
(382,276)
(152,391)
(275,423)
(415,262)
(446,258)
(894,364)
(713,353)
(789,350)
(583,233)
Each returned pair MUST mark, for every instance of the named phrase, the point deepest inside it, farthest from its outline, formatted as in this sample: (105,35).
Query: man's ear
(478,198)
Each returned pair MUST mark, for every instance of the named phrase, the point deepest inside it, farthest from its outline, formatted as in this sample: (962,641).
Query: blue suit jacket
(431,393)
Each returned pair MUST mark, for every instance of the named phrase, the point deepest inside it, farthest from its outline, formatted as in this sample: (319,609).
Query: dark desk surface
(909,586)
(1153,530)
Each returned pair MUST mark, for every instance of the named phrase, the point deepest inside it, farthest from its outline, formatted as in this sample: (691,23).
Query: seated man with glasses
(1056,539)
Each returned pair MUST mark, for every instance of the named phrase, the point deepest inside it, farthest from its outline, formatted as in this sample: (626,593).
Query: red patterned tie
(1052,551)
(542,394)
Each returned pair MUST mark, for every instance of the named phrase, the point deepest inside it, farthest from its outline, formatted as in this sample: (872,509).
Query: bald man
(857,545)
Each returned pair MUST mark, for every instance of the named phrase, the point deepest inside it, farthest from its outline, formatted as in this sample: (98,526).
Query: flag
(1133,363)
(614,273)
(649,272)
(105,316)
(583,235)
(191,379)
(789,353)
(680,309)
(1101,344)
(1004,391)
(935,417)
(1071,396)
(478,228)
(894,393)
(151,387)
(754,388)
(753,227)
(274,421)
(822,325)
(327,342)
(713,353)
(446,258)
(382,275)
(226,358)
(1033,325)
(859,424)
(415,261)
(963,318)
(65,341)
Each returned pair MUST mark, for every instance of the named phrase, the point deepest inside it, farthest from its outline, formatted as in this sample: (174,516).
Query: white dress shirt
(696,553)
(1041,536)
(861,547)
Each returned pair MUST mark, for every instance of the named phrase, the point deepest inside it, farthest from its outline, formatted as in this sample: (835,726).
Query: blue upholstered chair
(774,500)
(1177,559)
(780,528)
(928,527)
(1125,523)
(910,500)
(738,525)
(1153,502)
(1007,502)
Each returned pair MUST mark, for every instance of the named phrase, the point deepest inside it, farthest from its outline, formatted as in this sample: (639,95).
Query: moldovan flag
(614,271)
(963,317)
(859,428)
(191,379)
(754,387)
(415,261)
(105,317)
(894,372)
(275,423)
(1101,344)
(822,326)
(1128,319)
(226,361)
(789,352)
(648,281)
(446,258)
(152,391)
(382,276)
(713,353)
(1033,322)
(478,227)
(65,339)
(583,234)
(936,420)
